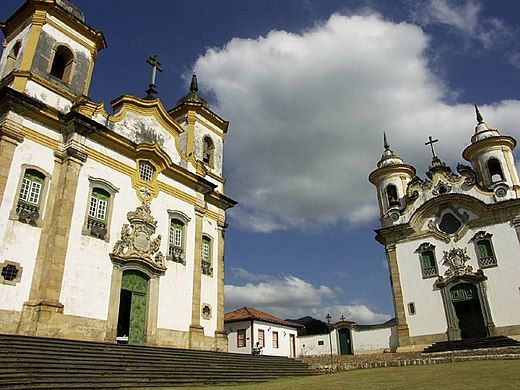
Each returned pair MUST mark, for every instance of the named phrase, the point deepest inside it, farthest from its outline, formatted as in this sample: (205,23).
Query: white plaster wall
(390,179)
(19,241)
(373,340)
(133,125)
(502,285)
(88,268)
(62,38)
(176,285)
(70,30)
(308,345)
(50,98)
(284,332)
(231,330)
(22,38)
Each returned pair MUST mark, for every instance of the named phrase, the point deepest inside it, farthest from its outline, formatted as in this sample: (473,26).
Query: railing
(486,262)
(429,272)
(207,269)
(28,213)
(97,228)
(176,254)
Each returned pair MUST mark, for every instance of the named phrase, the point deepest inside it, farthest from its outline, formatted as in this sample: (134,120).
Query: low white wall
(317,344)
(374,340)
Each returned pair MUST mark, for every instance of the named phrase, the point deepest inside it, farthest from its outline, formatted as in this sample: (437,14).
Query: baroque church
(452,242)
(111,221)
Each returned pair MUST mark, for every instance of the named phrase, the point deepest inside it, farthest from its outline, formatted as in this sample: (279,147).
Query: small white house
(248,328)
(349,338)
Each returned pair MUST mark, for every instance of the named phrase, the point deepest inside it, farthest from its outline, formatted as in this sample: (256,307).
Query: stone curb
(412,362)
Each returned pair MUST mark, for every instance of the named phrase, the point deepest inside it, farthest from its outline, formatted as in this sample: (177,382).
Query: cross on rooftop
(342,318)
(431,142)
(155,62)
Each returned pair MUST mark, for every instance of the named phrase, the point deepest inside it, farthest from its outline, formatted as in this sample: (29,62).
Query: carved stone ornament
(481,235)
(500,190)
(137,244)
(455,259)
(441,188)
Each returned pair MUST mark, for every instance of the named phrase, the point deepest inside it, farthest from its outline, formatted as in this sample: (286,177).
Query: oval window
(449,224)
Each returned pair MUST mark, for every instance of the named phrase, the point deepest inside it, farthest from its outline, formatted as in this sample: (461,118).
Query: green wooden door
(345,344)
(137,283)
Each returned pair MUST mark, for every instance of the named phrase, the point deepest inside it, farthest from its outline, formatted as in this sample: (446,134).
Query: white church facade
(111,223)
(453,242)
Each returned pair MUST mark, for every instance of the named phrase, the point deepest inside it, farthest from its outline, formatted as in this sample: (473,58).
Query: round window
(449,224)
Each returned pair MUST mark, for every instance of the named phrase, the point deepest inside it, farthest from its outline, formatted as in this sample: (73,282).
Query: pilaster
(402,326)
(113,303)
(196,330)
(10,136)
(52,248)
(220,333)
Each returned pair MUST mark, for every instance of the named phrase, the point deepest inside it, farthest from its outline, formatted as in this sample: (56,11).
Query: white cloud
(292,297)
(307,111)
(466,18)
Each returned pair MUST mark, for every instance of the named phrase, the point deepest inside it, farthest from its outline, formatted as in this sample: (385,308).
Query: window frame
(42,198)
(483,262)
(427,272)
(261,339)
(207,268)
(112,190)
(184,219)
(18,277)
(211,148)
(239,339)
(69,67)
(389,202)
(276,339)
(500,169)
(12,58)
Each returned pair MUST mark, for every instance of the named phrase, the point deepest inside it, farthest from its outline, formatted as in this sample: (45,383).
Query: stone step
(44,363)
(468,344)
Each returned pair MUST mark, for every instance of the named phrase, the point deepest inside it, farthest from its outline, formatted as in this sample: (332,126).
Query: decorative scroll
(137,244)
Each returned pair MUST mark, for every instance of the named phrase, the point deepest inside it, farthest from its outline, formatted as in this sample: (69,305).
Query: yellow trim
(120,167)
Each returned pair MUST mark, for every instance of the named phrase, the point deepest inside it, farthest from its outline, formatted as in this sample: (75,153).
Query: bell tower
(391,179)
(49,52)
(491,155)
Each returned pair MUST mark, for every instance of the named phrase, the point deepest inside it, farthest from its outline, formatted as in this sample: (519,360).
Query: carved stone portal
(136,244)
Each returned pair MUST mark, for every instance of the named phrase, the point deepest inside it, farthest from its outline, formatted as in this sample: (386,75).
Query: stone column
(402,327)
(486,310)
(220,333)
(10,136)
(516,224)
(453,330)
(52,249)
(152,310)
(196,330)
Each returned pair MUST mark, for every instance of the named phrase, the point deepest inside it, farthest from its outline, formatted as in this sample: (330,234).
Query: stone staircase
(469,344)
(44,363)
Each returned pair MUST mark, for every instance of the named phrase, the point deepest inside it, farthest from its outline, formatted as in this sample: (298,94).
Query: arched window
(62,63)
(176,241)
(207,151)
(99,208)
(391,194)
(12,57)
(206,256)
(495,170)
(146,170)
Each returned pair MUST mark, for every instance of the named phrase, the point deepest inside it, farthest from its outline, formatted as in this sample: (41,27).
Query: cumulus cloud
(292,297)
(464,17)
(307,111)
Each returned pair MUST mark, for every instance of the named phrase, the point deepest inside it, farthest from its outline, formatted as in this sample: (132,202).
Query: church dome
(482,131)
(388,157)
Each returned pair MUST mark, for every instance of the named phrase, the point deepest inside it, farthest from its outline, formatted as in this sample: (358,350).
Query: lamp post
(328,317)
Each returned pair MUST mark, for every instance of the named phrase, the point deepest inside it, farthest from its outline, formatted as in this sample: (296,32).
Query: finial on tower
(194,86)
(479,117)
(385,142)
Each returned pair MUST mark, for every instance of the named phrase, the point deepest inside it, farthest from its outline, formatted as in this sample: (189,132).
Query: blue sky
(308,87)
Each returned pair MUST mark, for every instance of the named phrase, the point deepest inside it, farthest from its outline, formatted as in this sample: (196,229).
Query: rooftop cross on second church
(155,62)
(431,142)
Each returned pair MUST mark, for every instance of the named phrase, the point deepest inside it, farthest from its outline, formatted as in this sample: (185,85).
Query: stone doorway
(131,321)
(345,341)
(466,302)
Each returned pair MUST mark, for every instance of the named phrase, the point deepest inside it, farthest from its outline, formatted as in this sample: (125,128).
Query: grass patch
(497,374)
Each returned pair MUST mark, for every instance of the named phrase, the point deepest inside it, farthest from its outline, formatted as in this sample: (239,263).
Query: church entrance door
(345,343)
(468,310)
(132,307)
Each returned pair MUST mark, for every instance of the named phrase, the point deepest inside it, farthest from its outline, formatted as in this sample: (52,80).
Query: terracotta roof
(248,313)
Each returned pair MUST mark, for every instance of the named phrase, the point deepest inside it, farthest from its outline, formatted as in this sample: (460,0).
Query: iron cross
(155,62)
(431,142)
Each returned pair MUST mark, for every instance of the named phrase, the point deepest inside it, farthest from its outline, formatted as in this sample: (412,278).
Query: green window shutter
(32,176)
(427,259)
(484,249)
